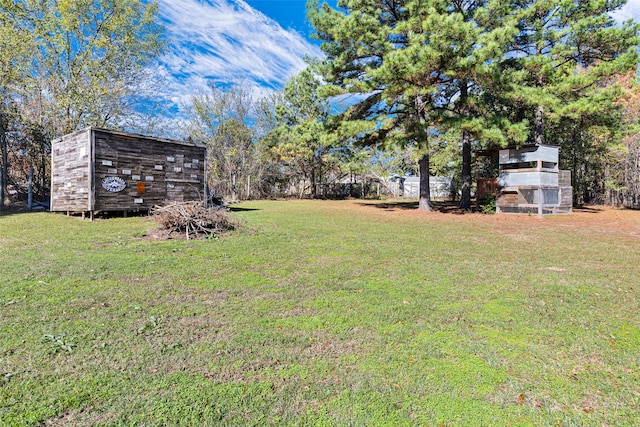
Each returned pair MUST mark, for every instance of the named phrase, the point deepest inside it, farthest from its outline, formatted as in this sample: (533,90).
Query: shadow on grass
(19,211)
(239,209)
(588,209)
(453,207)
(450,207)
(391,205)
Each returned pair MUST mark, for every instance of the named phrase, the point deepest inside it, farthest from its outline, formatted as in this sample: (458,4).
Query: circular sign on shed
(113,184)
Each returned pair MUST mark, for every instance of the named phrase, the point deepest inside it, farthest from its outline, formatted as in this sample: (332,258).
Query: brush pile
(192,220)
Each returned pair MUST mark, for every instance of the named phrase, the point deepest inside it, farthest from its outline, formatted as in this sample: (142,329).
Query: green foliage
(15,46)
(500,73)
(220,119)
(623,167)
(488,206)
(150,326)
(65,65)
(417,66)
(58,342)
(395,161)
(303,141)
(90,58)
(569,54)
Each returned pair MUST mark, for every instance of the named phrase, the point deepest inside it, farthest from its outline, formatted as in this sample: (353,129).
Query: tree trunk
(4,167)
(465,200)
(578,172)
(313,183)
(234,193)
(539,129)
(425,193)
(30,189)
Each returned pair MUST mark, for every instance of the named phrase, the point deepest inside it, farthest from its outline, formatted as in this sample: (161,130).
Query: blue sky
(257,43)
(290,14)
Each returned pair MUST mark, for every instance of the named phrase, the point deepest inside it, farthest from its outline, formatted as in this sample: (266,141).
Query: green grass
(321,313)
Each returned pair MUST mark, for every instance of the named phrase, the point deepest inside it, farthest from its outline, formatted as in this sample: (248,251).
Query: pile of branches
(193,220)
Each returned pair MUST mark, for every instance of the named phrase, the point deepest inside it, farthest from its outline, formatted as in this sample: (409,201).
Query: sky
(290,14)
(231,42)
(259,44)
(630,11)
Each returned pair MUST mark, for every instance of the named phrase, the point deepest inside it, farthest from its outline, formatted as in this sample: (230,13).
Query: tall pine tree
(416,66)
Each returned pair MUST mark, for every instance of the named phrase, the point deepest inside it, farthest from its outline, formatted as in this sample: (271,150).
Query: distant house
(104,170)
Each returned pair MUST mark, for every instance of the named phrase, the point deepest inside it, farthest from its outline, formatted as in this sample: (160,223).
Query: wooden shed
(104,170)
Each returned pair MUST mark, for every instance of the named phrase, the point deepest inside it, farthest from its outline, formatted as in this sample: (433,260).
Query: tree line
(406,86)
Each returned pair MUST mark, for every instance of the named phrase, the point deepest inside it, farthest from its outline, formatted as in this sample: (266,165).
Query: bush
(488,205)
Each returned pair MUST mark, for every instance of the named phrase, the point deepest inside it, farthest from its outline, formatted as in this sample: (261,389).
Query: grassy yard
(323,313)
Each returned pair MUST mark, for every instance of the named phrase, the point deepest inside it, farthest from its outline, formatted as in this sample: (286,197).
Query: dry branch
(193,219)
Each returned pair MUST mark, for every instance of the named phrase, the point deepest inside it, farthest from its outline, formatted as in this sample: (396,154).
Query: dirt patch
(599,219)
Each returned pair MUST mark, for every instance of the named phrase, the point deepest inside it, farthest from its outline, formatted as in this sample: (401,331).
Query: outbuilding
(98,169)
(529,181)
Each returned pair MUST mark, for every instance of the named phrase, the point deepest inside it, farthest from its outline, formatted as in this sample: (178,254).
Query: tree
(563,62)
(82,63)
(15,44)
(485,32)
(270,174)
(493,70)
(221,120)
(302,140)
(622,170)
(360,41)
(91,58)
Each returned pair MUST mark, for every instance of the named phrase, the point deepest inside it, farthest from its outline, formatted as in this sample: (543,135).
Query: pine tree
(564,59)
(416,67)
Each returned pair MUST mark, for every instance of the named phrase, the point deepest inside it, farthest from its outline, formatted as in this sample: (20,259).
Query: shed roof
(129,135)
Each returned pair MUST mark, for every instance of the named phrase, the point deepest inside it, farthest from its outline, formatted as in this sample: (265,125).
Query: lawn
(323,313)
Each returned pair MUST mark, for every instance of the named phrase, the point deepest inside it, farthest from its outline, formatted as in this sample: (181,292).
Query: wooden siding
(70,173)
(487,187)
(534,199)
(155,171)
(564,178)
(566,197)
(506,199)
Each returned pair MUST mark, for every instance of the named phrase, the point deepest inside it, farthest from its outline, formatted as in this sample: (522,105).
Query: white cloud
(226,42)
(629,11)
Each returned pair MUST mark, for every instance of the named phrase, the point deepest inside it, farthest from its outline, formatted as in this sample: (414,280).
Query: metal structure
(530,181)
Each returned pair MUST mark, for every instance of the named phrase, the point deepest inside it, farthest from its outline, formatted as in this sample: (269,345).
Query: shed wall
(165,172)
(70,173)
(516,178)
(545,153)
